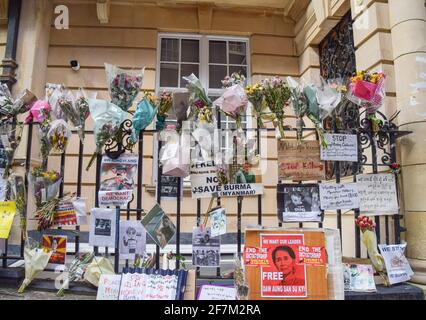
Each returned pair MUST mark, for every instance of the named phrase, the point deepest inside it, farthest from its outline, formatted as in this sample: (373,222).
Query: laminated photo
(159,226)
(298,203)
(218,222)
(132,239)
(205,248)
(58,245)
(117,180)
(359,278)
(102,227)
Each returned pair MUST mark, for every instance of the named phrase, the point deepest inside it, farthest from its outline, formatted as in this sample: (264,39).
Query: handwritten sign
(109,287)
(210,292)
(133,286)
(339,196)
(341,147)
(377,194)
(299,162)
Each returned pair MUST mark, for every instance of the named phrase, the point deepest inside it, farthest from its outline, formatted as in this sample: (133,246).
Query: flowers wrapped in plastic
(277,96)
(76,109)
(367,90)
(175,154)
(56,93)
(76,270)
(369,238)
(58,135)
(36,259)
(123,85)
(300,106)
(12,139)
(328,97)
(255,95)
(201,105)
(18,194)
(164,103)
(9,107)
(233,101)
(314,113)
(45,184)
(145,113)
(98,266)
(108,119)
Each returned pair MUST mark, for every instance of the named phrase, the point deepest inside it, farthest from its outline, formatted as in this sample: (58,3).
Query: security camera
(75,65)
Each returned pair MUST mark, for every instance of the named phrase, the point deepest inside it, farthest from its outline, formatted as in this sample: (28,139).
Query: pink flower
(39,112)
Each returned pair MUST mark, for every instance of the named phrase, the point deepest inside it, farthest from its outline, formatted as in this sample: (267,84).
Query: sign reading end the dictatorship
(205,184)
(341,147)
(339,196)
(377,194)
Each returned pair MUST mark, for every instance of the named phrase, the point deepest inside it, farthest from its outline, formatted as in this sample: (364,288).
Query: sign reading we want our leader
(205,184)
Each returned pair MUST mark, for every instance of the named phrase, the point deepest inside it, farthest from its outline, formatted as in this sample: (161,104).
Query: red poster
(255,257)
(58,244)
(285,277)
(65,214)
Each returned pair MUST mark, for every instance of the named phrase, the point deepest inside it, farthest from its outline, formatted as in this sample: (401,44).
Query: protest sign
(102,227)
(205,248)
(58,245)
(109,287)
(7,214)
(132,239)
(334,196)
(341,147)
(214,292)
(397,267)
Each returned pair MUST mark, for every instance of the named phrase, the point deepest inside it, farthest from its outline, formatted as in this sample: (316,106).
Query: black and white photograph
(159,226)
(205,248)
(102,227)
(298,203)
(132,239)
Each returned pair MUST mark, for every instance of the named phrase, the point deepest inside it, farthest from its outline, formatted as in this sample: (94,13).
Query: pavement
(30,294)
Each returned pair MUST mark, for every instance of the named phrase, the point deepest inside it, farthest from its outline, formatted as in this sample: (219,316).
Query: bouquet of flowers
(277,96)
(201,105)
(300,106)
(45,184)
(145,113)
(233,101)
(13,140)
(108,119)
(9,107)
(123,85)
(19,195)
(45,214)
(76,270)
(98,266)
(255,95)
(58,135)
(164,104)
(36,259)
(329,96)
(314,113)
(56,93)
(367,90)
(76,109)
(368,237)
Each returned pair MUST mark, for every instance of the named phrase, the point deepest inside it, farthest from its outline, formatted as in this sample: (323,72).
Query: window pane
(169,74)
(217,51)
(186,70)
(238,69)
(190,51)
(237,53)
(170,50)
(216,75)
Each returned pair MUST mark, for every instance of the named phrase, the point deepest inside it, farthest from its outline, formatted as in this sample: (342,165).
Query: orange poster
(284,277)
(58,245)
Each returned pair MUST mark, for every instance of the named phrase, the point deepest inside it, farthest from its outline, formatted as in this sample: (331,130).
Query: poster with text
(298,203)
(336,196)
(205,248)
(102,227)
(284,277)
(117,180)
(397,265)
(7,214)
(341,147)
(58,245)
(300,162)
(217,292)
(132,239)
(109,287)
(377,194)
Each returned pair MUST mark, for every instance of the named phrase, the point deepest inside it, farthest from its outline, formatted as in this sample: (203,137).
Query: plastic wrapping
(145,113)
(335,267)
(58,135)
(328,97)
(367,90)
(56,93)
(123,85)
(10,107)
(175,154)
(45,185)
(233,102)
(98,266)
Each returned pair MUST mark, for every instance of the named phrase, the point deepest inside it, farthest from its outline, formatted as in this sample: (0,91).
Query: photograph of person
(159,226)
(284,260)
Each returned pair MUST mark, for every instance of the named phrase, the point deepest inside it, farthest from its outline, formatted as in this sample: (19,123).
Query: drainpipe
(9,62)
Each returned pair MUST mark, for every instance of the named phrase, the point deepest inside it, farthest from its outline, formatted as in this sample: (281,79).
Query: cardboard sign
(117,180)
(341,147)
(300,162)
(102,227)
(109,287)
(255,257)
(58,245)
(339,196)
(397,266)
(211,292)
(377,194)
(283,278)
(7,214)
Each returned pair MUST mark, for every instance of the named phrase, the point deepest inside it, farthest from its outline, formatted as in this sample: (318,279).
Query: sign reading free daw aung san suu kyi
(205,182)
